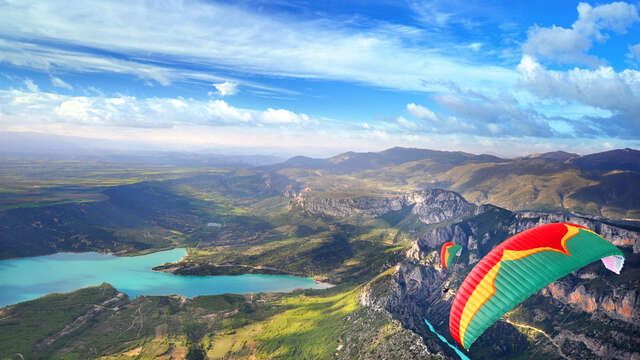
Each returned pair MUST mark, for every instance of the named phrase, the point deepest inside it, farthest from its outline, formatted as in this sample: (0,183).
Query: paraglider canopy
(519,267)
(448,252)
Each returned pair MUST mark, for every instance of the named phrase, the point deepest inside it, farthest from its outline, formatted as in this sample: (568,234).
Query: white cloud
(94,90)
(245,41)
(572,44)
(422,112)
(31,85)
(476,46)
(463,14)
(37,107)
(227,88)
(432,122)
(215,124)
(116,101)
(179,103)
(634,52)
(604,88)
(57,82)
(45,58)
(221,111)
(493,128)
(433,13)
(75,109)
(471,113)
(407,124)
(282,116)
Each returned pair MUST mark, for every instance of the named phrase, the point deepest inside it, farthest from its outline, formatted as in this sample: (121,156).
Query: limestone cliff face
(431,240)
(382,295)
(617,302)
(430,206)
(335,206)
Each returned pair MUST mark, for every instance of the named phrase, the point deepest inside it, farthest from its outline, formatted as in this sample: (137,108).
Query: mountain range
(600,184)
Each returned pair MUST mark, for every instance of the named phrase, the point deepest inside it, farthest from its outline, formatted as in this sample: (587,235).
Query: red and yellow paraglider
(519,267)
(448,253)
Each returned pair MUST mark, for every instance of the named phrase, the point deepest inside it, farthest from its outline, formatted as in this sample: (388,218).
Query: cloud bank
(37,107)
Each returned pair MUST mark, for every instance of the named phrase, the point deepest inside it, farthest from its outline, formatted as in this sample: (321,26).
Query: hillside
(620,159)
(102,323)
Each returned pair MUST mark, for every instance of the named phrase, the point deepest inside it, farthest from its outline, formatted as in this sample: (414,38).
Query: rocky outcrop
(384,295)
(348,206)
(435,205)
(435,238)
(596,348)
(619,303)
(430,206)
(376,335)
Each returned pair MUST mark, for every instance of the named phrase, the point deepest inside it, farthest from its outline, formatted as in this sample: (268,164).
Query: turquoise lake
(30,278)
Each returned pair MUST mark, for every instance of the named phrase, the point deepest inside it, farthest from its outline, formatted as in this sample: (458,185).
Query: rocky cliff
(430,206)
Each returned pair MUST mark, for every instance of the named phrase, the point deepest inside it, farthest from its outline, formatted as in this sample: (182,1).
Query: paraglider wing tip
(614,263)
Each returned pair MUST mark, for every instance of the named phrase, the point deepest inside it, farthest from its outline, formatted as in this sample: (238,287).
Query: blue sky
(321,77)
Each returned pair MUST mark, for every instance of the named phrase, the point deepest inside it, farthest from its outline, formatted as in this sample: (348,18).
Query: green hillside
(99,322)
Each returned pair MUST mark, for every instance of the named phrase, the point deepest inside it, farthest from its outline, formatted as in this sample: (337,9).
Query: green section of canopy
(452,252)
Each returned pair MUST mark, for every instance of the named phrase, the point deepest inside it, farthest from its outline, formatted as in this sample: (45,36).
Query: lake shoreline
(29,278)
(98,251)
(187,268)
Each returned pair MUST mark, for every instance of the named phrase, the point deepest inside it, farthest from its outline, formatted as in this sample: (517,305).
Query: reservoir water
(29,278)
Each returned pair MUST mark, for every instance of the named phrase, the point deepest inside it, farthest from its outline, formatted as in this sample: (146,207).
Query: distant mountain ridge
(554,155)
(619,159)
(30,145)
(359,161)
(596,184)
